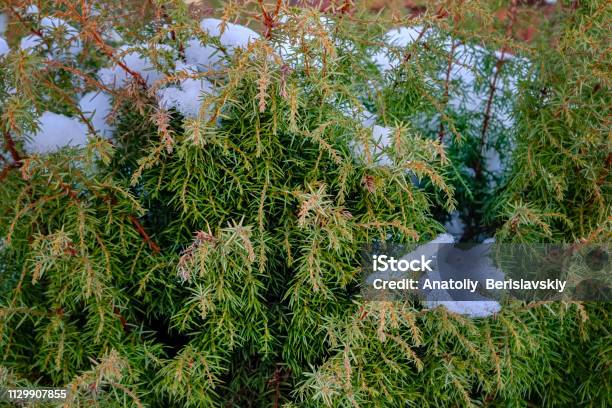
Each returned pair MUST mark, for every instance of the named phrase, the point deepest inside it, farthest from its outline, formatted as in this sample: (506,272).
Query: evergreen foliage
(215,260)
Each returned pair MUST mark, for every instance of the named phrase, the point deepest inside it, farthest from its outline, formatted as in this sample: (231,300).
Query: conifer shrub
(184,204)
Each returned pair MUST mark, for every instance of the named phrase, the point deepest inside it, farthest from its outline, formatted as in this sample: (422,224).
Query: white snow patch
(187,97)
(361,114)
(380,140)
(471,308)
(205,57)
(51,26)
(474,266)
(455,226)
(29,42)
(115,76)
(493,162)
(503,55)
(98,105)
(233,35)
(113,35)
(4,48)
(55,132)
(3,23)
(399,38)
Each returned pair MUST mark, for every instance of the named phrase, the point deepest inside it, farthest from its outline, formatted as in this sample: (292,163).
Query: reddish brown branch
(109,51)
(77,72)
(6,170)
(269,19)
(10,145)
(26,23)
(346,7)
(173,36)
(154,247)
(440,13)
(90,31)
(449,68)
(122,319)
(493,85)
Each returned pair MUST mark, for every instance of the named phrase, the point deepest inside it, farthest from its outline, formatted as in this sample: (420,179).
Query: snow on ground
(30,41)
(4,48)
(472,308)
(463,264)
(3,23)
(54,26)
(97,106)
(231,35)
(398,38)
(455,226)
(208,57)
(115,76)
(186,97)
(204,57)
(56,131)
(32,9)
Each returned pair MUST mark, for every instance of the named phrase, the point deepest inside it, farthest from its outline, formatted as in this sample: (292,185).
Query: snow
(362,115)
(465,264)
(113,35)
(380,140)
(503,55)
(115,76)
(455,226)
(54,132)
(233,35)
(4,48)
(399,38)
(205,57)
(97,106)
(29,42)
(3,23)
(187,97)
(441,250)
(53,26)
(472,308)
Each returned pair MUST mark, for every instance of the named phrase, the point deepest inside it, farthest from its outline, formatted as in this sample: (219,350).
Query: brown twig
(440,13)
(26,23)
(6,170)
(154,247)
(90,32)
(10,145)
(493,85)
(346,7)
(269,19)
(446,86)
(90,80)
(173,36)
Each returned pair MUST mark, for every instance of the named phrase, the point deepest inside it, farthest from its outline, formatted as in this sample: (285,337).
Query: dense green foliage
(215,260)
